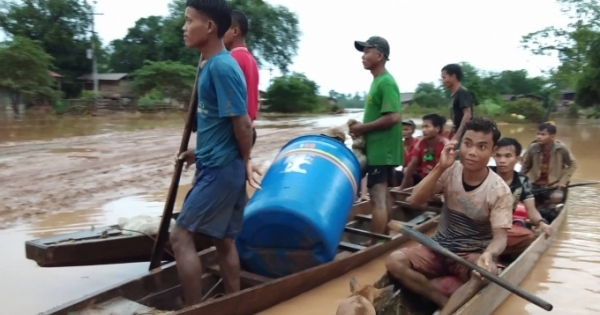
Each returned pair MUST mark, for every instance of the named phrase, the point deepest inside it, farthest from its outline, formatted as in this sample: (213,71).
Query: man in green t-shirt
(381,128)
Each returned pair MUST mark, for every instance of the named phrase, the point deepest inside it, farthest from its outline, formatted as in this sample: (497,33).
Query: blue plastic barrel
(297,219)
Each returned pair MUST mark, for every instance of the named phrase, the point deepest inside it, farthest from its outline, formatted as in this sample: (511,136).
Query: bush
(532,110)
(150,100)
(89,95)
(573,111)
(294,93)
(491,108)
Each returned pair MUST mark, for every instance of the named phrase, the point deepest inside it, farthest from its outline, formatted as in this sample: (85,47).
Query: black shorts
(400,177)
(380,174)
(253,136)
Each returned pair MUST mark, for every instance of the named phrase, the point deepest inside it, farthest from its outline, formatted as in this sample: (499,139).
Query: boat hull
(110,245)
(488,299)
(160,287)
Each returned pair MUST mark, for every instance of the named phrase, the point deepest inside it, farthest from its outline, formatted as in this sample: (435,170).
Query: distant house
(514,97)
(406,98)
(110,85)
(262,97)
(57,78)
(567,97)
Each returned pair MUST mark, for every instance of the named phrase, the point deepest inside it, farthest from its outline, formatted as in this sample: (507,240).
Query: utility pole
(92,53)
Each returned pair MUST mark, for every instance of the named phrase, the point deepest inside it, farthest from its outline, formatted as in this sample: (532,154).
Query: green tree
(273,38)
(428,95)
(588,82)
(293,93)
(62,28)
(142,42)
(571,43)
(24,66)
(171,79)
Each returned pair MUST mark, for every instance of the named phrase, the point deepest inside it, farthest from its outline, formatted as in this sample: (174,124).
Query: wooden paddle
(591,182)
(163,232)
(431,244)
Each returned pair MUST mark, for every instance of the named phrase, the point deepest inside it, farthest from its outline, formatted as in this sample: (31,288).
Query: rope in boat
(150,236)
(388,302)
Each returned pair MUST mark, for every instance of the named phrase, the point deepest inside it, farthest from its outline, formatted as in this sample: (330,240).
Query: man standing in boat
(508,154)
(549,165)
(461,106)
(476,216)
(214,206)
(426,153)
(381,128)
(235,41)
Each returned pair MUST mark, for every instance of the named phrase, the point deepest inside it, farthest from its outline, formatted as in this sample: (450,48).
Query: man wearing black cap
(381,128)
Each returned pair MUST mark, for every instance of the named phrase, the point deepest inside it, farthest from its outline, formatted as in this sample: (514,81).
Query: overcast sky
(424,35)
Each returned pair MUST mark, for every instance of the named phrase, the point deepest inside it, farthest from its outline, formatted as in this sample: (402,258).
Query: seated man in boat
(508,154)
(426,153)
(549,165)
(215,204)
(475,218)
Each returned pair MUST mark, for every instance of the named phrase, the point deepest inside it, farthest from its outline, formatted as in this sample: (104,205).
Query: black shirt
(520,187)
(460,100)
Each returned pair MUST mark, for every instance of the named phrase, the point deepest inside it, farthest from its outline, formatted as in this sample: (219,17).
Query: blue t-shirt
(221,95)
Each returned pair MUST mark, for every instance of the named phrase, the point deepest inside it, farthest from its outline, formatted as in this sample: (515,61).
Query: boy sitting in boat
(508,154)
(425,154)
(549,165)
(475,219)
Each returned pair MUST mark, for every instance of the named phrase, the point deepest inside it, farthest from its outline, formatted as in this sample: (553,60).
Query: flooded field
(64,174)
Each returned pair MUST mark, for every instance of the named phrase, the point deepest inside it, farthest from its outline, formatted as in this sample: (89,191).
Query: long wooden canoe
(488,299)
(159,291)
(111,245)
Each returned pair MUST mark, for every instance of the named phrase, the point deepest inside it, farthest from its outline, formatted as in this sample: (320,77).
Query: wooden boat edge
(129,248)
(310,279)
(238,304)
(492,296)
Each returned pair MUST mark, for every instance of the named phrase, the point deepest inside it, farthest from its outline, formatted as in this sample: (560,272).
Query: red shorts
(433,265)
(518,234)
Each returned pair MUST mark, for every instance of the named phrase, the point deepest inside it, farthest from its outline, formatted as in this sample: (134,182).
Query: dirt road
(85,172)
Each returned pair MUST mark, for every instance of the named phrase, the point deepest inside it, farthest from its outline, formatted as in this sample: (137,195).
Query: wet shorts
(215,204)
(518,234)
(433,265)
(381,174)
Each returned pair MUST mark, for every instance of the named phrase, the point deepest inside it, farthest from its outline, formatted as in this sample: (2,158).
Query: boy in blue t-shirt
(215,204)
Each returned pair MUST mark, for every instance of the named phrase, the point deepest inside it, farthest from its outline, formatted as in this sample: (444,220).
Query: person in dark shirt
(461,107)
(508,154)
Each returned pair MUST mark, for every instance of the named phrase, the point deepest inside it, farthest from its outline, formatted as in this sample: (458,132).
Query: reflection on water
(567,275)
(568,271)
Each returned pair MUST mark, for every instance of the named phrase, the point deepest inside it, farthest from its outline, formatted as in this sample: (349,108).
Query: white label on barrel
(294,162)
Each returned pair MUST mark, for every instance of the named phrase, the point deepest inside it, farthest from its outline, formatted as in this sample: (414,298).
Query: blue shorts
(215,205)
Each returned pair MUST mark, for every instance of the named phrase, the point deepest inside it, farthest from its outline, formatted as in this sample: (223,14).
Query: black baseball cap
(377,42)
(409,123)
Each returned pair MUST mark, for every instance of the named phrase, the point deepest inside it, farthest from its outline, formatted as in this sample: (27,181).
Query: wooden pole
(163,232)
(431,244)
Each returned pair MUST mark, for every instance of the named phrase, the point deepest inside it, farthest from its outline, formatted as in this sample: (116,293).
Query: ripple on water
(570,269)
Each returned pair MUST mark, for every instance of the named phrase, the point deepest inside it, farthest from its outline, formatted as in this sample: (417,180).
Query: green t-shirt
(384,147)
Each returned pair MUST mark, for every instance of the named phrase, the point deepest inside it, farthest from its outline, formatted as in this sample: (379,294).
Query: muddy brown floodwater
(63,174)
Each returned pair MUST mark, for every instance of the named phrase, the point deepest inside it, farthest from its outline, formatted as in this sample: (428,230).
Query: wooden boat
(111,245)
(488,299)
(159,291)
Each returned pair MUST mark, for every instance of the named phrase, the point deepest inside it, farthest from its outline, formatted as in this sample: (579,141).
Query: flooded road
(60,174)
